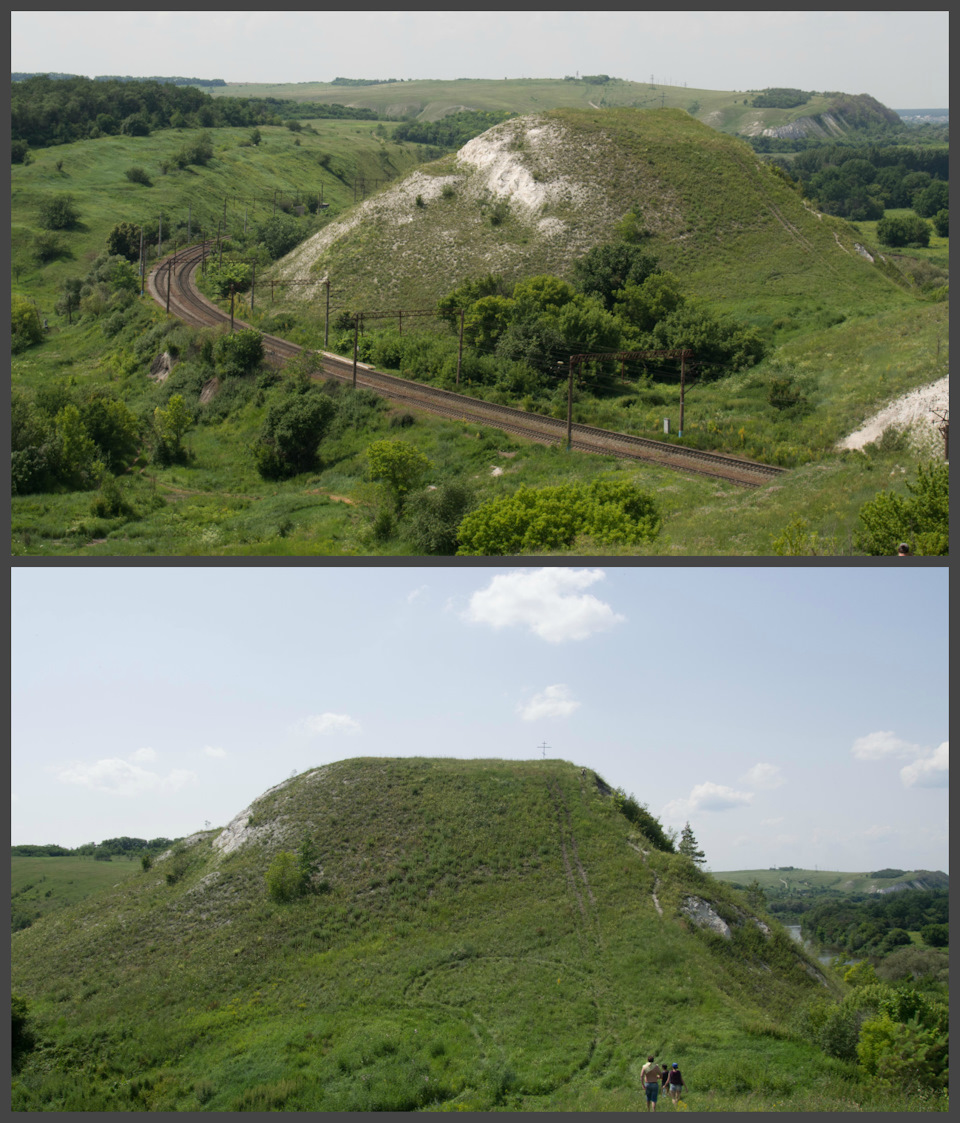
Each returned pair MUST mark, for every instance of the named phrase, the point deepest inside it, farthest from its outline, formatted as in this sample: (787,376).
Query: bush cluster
(608,512)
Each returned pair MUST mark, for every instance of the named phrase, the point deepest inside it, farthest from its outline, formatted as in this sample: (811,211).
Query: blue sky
(899,57)
(793,716)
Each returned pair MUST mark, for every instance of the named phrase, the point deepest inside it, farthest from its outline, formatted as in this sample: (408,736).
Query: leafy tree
(284,880)
(279,235)
(607,268)
(468,293)
(58,213)
(941,223)
(646,304)
(232,274)
(688,846)
(921,519)
(146,860)
(932,198)
(171,423)
(69,300)
(239,352)
(435,516)
(76,451)
(936,935)
(124,241)
(903,230)
(291,433)
(47,246)
(399,466)
(25,323)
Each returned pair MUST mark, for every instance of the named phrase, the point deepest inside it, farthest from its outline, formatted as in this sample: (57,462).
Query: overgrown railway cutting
(171,284)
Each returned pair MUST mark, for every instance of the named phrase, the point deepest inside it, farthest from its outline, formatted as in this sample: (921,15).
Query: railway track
(171,284)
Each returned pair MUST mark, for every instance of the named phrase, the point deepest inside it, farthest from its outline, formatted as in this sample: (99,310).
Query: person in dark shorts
(674,1082)
(650,1079)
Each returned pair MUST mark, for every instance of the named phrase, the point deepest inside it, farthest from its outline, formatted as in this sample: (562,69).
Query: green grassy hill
(484,934)
(734,232)
(814,881)
(729,111)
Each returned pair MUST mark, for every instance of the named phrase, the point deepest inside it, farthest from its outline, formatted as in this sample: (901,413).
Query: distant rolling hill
(731,111)
(481,934)
(879,881)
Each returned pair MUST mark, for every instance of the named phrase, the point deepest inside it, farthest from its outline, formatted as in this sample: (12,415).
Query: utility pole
(460,348)
(570,407)
(681,392)
(356,338)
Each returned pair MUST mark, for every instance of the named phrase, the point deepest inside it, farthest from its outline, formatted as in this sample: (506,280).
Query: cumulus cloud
(547,601)
(554,701)
(329,723)
(764,776)
(211,750)
(143,755)
(121,777)
(717,797)
(878,746)
(417,593)
(931,771)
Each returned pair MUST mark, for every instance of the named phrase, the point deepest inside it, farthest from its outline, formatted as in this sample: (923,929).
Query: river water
(794,930)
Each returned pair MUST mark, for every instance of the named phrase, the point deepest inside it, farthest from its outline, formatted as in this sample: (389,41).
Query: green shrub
(58,213)
(608,512)
(138,175)
(25,323)
(921,519)
(291,433)
(238,353)
(903,230)
(434,517)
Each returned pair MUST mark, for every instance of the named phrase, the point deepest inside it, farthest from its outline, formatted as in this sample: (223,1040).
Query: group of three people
(651,1076)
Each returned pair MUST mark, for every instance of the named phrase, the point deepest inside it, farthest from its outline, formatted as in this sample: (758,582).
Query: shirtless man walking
(650,1076)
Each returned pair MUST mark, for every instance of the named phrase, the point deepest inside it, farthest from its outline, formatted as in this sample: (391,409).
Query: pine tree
(688,846)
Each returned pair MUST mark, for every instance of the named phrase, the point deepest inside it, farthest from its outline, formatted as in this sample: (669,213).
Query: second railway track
(171,284)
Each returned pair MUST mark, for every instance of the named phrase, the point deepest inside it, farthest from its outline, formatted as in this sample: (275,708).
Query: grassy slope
(247,177)
(428,100)
(489,938)
(40,885)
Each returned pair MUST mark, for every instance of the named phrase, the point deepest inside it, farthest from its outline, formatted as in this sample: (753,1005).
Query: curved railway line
(171,284)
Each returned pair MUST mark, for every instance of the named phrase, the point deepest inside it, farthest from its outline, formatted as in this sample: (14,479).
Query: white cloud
(764,776)
(717,797)
(547,601)
(119,777)
(931,771)
(877,746)
(143,755)
(417,593)
(211,750)
(771,822)
(329,723)
(554,701)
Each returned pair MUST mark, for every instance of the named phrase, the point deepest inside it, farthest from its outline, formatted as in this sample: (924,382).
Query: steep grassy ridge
(485,934)
(735,233)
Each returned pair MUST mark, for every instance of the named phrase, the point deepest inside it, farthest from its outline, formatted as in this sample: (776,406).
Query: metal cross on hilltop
(543,749)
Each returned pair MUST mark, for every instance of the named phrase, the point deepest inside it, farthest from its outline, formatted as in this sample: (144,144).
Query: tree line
(47,111)
(109,847)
